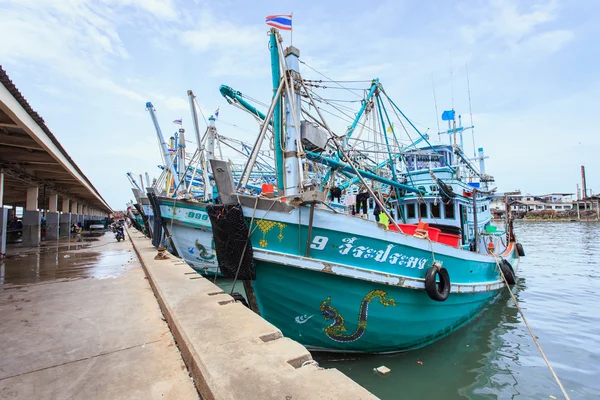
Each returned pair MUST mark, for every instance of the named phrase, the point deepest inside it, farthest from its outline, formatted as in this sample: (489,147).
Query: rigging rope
(562,389)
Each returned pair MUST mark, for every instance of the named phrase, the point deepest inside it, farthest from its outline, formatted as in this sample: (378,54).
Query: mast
(209,155)
(181,152)
(292,114)
(161,139)
(195,119)
(277,131)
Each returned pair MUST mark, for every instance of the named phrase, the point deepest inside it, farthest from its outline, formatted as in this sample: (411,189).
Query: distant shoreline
(548,220)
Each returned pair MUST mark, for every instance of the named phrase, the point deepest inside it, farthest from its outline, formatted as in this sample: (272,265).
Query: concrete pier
(231,352)
(66,334)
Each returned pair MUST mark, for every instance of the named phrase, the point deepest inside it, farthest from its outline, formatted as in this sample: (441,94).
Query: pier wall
(231,352)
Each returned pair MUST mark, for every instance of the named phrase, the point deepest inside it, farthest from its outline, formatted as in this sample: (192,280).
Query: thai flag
(178,121)
(217,112)
(280,21)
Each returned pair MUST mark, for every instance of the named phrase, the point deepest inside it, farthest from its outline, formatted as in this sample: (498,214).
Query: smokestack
(583,186)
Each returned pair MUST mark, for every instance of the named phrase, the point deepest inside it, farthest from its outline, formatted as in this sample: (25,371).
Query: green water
(494,357)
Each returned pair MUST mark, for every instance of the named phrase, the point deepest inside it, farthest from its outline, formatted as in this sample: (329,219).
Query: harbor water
(494,357)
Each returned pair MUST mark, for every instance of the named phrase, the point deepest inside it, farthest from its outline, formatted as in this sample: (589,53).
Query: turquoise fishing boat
(398,267)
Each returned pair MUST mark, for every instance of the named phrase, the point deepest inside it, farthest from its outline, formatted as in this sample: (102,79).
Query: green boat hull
(355,287)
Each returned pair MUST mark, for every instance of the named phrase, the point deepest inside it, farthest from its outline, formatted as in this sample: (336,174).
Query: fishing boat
(181,206)
(404,266)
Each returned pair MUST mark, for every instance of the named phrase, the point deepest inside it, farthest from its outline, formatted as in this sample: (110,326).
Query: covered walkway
(36,173)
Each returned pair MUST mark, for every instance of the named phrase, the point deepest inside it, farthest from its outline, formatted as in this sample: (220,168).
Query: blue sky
(89,66)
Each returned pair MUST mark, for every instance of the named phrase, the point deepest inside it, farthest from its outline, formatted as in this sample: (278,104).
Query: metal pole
(256,149)
(310,225)
(475,227)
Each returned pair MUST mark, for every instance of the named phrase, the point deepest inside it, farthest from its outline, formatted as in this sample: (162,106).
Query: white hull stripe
(364,274)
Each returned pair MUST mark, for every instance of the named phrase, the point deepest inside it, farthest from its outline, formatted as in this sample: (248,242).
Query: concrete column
(65,206)
(32,219)
(3,228)
(53,203)
(32,198)
(3,217)
(74,217)
(65,223)
(80,217)
(52,225)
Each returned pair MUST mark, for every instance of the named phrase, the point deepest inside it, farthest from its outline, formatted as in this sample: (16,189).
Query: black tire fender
(509,273)
(520,250)
(437,291)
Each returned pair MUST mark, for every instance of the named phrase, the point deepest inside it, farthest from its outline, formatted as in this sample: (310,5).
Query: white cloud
(208,32)
(548,42)
(502,19)
(507,21)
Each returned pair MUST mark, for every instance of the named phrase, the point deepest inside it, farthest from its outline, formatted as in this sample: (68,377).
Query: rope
(562,389)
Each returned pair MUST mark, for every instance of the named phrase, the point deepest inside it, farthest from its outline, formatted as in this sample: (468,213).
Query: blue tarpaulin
(448,115)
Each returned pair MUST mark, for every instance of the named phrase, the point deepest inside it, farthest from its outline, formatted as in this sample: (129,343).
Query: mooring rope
(562,389)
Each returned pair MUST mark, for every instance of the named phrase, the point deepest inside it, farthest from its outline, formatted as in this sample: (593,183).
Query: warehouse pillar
(32,219)
(65,219)
(52,218)
(3,217)
(80,215)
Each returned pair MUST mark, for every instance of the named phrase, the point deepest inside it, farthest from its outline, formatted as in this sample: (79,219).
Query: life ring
(520,250)
(508,272)
(437,291)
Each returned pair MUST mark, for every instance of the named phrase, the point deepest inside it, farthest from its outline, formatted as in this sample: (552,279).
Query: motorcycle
(119,234)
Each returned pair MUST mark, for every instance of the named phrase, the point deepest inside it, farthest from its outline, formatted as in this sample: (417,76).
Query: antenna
(437,116)
(451,82)
(470,110)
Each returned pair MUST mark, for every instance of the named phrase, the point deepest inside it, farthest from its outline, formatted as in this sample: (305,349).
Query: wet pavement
(79,320)
(89,255)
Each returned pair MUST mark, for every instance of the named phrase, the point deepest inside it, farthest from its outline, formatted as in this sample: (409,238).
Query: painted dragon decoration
(203,252)
(337,331)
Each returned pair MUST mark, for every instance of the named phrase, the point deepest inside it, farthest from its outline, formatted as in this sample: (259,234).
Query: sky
(88,67)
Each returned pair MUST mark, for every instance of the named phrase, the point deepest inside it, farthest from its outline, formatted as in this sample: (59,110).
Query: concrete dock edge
(231,352)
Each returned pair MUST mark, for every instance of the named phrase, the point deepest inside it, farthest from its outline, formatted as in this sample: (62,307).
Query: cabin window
(435,210)
(449,210)
(410,211)
(423,210)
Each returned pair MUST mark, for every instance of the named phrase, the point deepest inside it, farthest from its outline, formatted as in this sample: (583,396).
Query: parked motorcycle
(119,234)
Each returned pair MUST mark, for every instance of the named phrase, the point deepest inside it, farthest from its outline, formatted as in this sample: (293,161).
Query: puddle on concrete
(97,256)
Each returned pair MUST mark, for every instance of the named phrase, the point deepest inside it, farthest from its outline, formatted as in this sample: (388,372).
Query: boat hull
(332,313)
(356,287)
(191,232)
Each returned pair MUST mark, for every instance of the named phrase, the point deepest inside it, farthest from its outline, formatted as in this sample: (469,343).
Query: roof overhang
(30,155)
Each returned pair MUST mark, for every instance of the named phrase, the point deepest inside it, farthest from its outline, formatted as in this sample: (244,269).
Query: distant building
(533,205)
(524,203)
(557,197)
